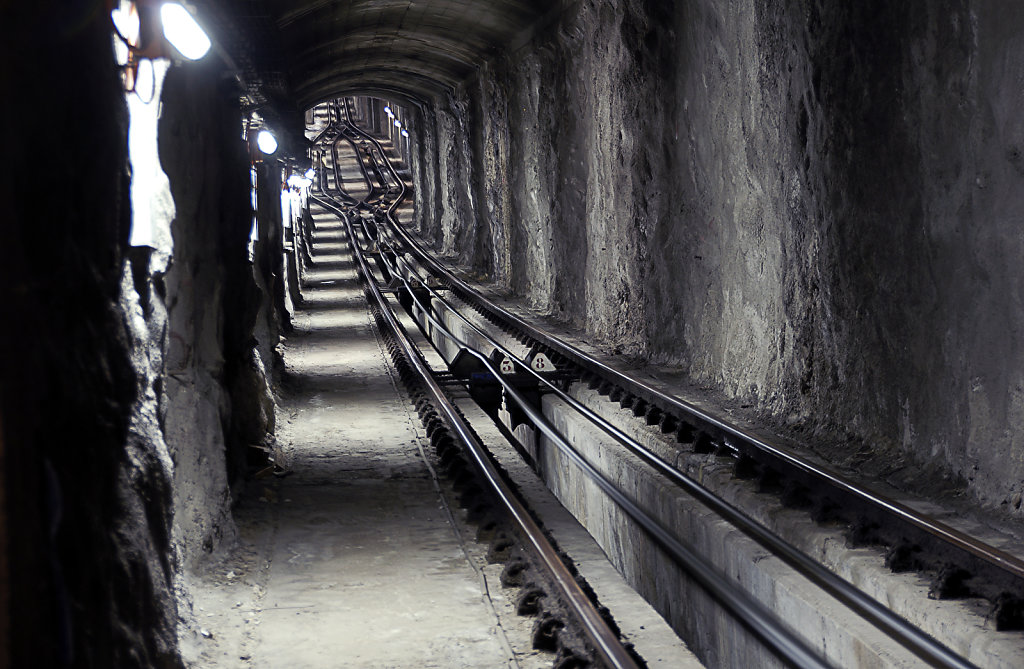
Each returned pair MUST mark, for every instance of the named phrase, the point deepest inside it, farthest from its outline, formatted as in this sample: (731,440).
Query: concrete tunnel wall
(812,209)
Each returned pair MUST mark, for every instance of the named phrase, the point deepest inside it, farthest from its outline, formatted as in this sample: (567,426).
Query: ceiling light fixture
(266,142)
(126,23)
(182,31)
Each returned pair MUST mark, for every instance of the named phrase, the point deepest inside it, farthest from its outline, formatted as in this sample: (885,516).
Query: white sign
(541,363)
(506,366)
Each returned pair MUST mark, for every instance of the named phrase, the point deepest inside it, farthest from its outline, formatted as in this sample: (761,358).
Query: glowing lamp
(266,142)
(126,22)
(182,31)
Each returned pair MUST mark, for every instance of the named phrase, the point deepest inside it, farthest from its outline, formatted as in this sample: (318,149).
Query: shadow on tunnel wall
(85,517)
(130,396)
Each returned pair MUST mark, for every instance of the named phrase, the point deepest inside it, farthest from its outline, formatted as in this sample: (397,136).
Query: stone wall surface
(87,568)
(424,170)
(813,209)
(130,385)
(214,394)
(458,230)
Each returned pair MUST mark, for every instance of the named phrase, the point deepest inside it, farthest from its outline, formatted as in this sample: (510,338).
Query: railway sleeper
(530,600)
(486,529)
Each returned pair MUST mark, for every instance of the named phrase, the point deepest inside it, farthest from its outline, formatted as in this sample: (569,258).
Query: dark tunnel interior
(809,214)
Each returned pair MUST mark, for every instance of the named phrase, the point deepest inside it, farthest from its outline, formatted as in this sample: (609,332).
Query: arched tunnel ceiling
(302,51)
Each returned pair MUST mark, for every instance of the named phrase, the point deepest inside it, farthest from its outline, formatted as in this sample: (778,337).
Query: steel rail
(892,624)
(995,557)
(398,180)
(385,186)
(895,626)
(338,178)
(605,642)
(320,135)
(370,187)
(336,125)
(755,616)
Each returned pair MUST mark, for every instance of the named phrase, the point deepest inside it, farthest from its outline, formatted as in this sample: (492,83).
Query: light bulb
(182,31)
(266,142)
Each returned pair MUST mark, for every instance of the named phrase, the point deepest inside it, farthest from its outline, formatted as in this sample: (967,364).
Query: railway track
(569,622)
(509,364)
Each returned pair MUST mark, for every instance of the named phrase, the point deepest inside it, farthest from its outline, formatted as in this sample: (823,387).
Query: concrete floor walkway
(351,560)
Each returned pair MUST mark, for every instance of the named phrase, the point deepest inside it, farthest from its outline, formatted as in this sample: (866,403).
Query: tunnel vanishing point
(810,211)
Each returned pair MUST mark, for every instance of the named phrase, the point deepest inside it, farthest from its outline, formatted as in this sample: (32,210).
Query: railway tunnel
(784,240)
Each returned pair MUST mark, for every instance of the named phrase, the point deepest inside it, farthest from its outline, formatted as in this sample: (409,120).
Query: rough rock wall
(212,303)
(424,169)
(268,263)
(429,205)
(533,208)
(489,139)
(88,575)
(539,140)
(812,208)
(148,509)
(855,184)
(457,225)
